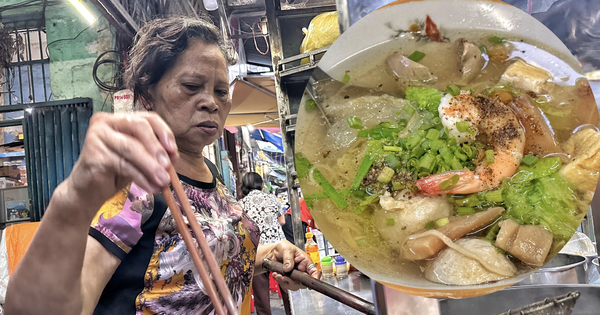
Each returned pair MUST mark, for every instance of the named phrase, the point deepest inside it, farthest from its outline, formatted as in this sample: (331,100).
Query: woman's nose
(208,103)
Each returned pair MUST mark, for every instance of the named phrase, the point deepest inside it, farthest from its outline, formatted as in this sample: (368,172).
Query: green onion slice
(450,182)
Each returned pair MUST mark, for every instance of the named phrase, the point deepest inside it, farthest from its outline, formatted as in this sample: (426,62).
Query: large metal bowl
(562,269)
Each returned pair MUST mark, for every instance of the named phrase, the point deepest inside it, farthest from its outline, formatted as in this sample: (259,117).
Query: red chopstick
(204,248)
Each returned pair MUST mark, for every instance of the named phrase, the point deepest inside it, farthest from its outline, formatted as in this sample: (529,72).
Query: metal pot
(562,269)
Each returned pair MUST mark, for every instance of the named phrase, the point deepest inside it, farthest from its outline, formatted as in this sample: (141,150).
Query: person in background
(265,210)
(307,221)
(125,255)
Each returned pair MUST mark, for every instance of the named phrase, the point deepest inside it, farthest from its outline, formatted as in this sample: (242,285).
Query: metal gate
(53,137)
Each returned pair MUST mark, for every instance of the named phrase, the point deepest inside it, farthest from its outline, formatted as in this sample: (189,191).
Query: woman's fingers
(287,282)
(131,158)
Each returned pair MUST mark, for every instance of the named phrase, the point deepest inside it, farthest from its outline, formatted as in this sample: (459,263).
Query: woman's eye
(223,93)
(191,87)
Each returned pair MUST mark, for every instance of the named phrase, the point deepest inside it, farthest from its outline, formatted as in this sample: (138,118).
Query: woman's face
(193,96)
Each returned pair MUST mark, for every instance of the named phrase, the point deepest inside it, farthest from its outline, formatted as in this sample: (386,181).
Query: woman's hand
(120,148)
(289,255)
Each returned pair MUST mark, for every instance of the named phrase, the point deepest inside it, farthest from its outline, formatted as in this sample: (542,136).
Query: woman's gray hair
(156,47)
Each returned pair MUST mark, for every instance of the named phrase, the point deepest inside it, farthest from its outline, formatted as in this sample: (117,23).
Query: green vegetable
(355,122)
(430,225)
(436,144)
(493,196)
(483,49)
(392,161)
(450,182)
(386,175)
(441,222)
(337,199)
(426,98)
(416,56)
(346,78)
(391,148)
(413,141)
(409,110)
(496,40)
(433,134)
(493,232)
(456,165)
(489,156)
(390,222)
(529,160)
(310,104)
(465,211)
(427,163)
(453,90)
(363,169)
(539,195)
(303,165)
(463,126)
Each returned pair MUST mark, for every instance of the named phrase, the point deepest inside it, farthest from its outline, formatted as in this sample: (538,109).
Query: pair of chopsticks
(204,248)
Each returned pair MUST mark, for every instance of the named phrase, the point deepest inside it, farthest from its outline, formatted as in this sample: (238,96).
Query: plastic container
(327,267)
(341,267)
(312,249)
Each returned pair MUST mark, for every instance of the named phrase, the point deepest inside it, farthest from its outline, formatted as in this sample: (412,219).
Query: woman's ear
(147,102)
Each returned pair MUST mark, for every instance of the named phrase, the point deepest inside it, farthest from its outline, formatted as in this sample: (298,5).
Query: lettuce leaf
(538,195)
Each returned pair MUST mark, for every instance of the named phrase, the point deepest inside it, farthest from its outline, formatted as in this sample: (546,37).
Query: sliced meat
(584,166)
(527,77)
(529,243)
(539,136)
(408,72)
(427,246)
(471,60)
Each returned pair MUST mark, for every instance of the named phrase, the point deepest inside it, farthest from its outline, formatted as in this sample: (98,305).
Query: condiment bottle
(312,249)
(341,267)
(327,267)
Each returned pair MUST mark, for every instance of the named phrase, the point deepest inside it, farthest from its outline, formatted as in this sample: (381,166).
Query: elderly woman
(124,255)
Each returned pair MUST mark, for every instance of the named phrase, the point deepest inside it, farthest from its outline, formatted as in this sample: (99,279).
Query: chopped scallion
(346,78)
(436,120)
(494,196)
(496,40)
(436,144)
(529,159)
(386,175)
(363,169)
(337,199)
(427,162)
(355,122)
(465,211)
(433,134)
(409,110)
(483,49)
(450,182)
(416,56)
(391,148)
(441,222)
(430,225)
(390,222)
(392,161)
(489,156)
(310,104)
(463,126)
(453,90)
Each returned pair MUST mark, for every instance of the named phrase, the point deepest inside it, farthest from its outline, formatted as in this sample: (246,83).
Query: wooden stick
(204,248)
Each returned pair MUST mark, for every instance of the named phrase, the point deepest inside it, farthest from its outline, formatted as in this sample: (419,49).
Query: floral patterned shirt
(157,274)
(264,209)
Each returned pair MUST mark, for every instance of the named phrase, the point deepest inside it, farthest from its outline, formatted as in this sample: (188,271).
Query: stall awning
(253,102)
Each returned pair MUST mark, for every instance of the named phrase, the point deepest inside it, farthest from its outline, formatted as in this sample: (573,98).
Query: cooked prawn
(496,126)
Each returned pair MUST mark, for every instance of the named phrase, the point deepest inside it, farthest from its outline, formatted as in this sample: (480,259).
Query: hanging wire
(257,22)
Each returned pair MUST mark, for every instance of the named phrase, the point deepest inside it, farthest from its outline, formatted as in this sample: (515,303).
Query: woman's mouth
(209,127)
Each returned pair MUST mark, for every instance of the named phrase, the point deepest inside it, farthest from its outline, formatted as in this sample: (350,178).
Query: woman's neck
(194,167)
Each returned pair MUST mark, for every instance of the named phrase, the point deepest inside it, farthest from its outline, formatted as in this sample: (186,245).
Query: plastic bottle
(312,249)
(341,267)
(327,267)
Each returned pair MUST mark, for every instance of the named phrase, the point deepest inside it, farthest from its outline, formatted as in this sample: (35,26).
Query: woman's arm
(61,272)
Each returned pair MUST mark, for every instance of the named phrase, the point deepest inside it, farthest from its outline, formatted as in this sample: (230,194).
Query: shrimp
(496,126)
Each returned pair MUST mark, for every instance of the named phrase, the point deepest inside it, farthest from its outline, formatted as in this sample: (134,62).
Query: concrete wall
(72,59)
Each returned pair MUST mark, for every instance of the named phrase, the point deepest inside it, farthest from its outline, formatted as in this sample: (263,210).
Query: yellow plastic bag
(322,31)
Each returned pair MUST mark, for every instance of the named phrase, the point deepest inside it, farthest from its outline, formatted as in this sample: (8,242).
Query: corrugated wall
(54,133)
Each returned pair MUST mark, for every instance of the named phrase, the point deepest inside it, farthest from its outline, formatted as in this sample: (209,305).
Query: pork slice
(471,60)
(408,72)
(427,246)
(529,243)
